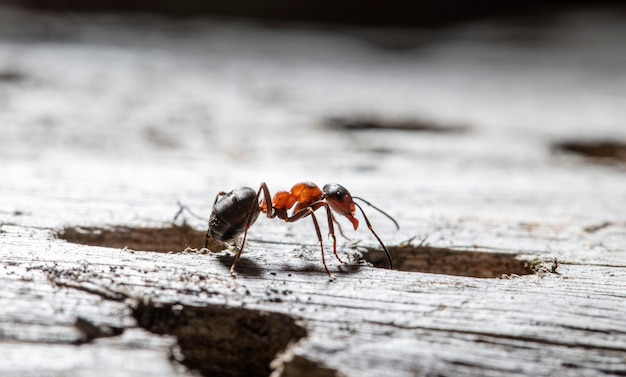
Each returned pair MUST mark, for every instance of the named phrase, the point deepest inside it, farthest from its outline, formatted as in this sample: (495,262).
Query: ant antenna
(378,209)
(182,208)
(369,225)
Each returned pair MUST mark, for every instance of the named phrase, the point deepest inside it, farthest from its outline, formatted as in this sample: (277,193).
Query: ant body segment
(234,212)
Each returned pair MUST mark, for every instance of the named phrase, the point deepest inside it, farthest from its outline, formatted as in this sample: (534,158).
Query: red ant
(234,212)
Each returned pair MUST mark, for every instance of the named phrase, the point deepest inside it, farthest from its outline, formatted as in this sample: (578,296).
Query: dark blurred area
(397,13)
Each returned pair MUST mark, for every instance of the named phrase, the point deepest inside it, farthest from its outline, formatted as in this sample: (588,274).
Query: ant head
(340,200)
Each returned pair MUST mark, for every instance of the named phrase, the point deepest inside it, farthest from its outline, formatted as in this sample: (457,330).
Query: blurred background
(374,13)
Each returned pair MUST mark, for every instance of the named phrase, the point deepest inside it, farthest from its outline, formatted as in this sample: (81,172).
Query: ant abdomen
(231,213)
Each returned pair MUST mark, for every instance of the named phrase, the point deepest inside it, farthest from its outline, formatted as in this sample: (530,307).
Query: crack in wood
(376,123)
(92,331)
(219,340)
(214,340)
(406,256)
(172,238)
(103,292)
(609,150)
(456,262)
(291,365)
(487,336)
(72,278)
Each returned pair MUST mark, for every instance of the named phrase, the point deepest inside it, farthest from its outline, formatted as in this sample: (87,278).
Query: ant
(234,212)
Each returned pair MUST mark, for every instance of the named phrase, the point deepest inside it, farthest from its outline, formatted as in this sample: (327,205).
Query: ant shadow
(341,269)
(247,267)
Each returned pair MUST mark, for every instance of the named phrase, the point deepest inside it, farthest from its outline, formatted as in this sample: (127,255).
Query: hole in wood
(91,331)
(222,341)
(11,76)
(291,365)
(598,150)
(171,238)
(440,260)
(374,123)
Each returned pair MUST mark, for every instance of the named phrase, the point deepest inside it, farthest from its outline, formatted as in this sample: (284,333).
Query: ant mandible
(234,212)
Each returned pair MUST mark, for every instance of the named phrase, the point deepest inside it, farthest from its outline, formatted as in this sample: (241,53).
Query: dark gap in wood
(176,238)
(222,341)
(597,227)
(374,123)
(608,150)
(299,366)
(11,76)
(92,331)
(173,238)
(457,262)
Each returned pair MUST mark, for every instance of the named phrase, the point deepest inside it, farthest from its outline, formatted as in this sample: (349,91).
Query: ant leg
(208,231)
(319,237)
(331,231)
(221,193)
(311,211)
(237,257)
(339,227)
(268,199)
(369,225)
(331,219)
(182,208)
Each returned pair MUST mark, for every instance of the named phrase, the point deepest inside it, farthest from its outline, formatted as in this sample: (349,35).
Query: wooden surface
(511,255)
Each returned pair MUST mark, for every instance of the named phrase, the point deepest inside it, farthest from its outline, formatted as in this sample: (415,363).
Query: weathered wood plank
(510,259)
